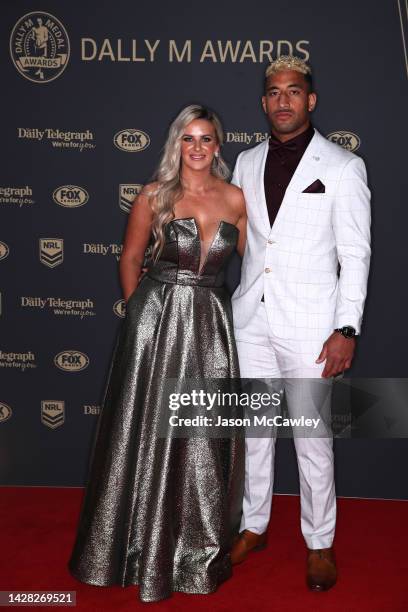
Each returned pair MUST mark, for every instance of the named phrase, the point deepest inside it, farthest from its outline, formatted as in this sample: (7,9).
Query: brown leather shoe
(244,543)
(321,569)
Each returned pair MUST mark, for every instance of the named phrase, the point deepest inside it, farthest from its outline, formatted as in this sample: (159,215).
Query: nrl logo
(39,47)
(51,251)
(127,194)
(52,413)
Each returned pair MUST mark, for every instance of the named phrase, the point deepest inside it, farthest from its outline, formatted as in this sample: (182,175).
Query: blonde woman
(161,512)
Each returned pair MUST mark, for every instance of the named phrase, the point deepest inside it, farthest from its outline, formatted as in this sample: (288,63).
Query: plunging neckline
(217,231)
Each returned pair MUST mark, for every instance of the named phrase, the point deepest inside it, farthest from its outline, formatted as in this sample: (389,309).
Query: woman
(161,512)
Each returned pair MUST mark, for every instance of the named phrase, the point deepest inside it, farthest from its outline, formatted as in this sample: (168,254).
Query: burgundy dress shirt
(281,163)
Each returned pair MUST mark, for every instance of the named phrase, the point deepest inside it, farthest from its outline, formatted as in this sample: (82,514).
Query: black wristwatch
(347,331)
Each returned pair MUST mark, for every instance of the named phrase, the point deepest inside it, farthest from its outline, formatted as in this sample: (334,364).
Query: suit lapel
(259,162)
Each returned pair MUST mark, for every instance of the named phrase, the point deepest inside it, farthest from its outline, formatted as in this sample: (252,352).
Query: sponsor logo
(53,134)
(246,137)
(5,412)
(71,361)
(4,250)
(39,47)
(51,251)
(347,140)
(92,248)
(58,138)
(119,308)
(131,141)
(127,194)
(60,306)
(16,195)
(70,196)
(91,409)
(18,361)
(52,413)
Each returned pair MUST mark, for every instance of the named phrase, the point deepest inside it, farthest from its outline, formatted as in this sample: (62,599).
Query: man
(295,316)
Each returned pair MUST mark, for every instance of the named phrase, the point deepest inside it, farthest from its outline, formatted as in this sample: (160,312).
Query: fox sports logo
(131,141)
(348,140)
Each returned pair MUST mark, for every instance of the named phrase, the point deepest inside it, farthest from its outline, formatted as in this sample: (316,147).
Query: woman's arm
(242,224)
(137,238)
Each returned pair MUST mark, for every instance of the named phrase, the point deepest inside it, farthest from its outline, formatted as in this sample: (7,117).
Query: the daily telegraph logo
(16,195)
(52,413)
(119,308)
(245,137)
(39,47)
(4,250)
(348,140)
(99,248)
(131,141)
(5,412)
(70,196)
(71,361)
(127,195)
(20,361)
(60,306)
(51,251)
(92,409)
(59,139)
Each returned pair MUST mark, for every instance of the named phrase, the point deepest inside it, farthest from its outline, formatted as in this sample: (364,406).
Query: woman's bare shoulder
(145,198)
(150,189)
(235,197)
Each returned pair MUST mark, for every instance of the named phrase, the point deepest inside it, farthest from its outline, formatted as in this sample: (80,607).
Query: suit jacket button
(270,241)
(267,270)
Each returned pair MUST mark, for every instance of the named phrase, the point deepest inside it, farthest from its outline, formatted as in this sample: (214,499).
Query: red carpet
(38,528)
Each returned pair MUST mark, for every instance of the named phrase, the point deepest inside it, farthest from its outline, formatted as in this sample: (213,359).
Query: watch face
(349,332)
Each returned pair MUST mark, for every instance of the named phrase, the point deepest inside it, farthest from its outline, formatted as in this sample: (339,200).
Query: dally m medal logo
(347,140)
(70,196)
(52,413)
(51,251)
(39,47)
(127,194)
(131,141)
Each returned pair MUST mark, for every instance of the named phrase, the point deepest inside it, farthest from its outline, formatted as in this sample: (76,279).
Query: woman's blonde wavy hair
(170,189)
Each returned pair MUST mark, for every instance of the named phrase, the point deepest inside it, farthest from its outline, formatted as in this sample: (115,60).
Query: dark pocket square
(315,187)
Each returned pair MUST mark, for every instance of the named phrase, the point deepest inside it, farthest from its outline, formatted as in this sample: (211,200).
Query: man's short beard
(288,128)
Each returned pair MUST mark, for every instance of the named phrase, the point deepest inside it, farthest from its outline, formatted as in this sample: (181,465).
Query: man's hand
(338,352)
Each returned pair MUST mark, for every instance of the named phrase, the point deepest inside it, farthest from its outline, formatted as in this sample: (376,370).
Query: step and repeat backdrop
(88,92)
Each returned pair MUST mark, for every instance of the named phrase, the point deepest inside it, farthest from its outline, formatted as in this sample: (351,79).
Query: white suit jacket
(295,264)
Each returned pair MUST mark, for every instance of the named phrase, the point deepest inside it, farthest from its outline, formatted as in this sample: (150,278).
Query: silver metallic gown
(161,512)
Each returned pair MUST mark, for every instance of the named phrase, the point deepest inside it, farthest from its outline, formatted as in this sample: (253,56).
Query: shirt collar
(301,141)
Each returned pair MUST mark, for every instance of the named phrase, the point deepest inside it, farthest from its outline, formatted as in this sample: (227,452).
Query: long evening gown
(161,512)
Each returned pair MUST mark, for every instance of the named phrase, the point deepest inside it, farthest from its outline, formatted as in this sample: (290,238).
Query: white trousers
(263,355)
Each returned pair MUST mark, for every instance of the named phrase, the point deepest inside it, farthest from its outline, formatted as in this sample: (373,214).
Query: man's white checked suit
(312,268)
